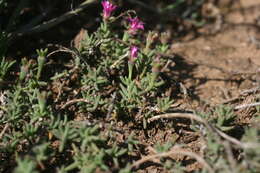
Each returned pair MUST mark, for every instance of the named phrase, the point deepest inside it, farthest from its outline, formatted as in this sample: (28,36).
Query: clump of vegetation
(111,75)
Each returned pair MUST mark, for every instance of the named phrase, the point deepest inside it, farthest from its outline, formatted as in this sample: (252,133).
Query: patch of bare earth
(228,60)
(215,69)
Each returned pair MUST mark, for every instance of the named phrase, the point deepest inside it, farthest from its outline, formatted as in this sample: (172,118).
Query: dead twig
(241,94)
(73,102)
(208,125)
(53,22)
(174,151)
(234,140)
(73,52)
(243,106)
(250,91)
(37,19)
(233,99)
(230,155)
(178,115)
(3,131)
(120,59)
(66,50)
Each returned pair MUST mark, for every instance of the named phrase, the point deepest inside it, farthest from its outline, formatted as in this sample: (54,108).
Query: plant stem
(125,36)
(130,70)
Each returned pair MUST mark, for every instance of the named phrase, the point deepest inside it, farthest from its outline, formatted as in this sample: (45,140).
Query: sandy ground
(219,57)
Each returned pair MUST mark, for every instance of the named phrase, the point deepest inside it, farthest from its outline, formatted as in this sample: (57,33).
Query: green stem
(41,61)
(125,36)
(105,24)
(130,70)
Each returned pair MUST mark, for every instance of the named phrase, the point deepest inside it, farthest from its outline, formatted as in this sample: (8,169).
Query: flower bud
(133,53)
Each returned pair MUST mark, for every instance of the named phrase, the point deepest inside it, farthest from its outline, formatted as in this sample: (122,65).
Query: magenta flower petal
(133,52)
(135,24)
(108,8)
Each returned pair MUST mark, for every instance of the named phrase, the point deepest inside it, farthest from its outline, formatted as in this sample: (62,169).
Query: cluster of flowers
(134,25)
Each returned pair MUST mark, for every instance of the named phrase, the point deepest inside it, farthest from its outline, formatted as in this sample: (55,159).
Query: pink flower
(135,24)
(108,8)
(133,53)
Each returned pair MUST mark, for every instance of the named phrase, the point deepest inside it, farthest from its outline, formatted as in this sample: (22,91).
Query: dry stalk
(209,126)
(62,49)
(174,151)
(250,91)
(73,102)
(243,106)
(118,61)
(53,22)
(178,115)
(241,95)
(3,131)
(230,155)
(234,140)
